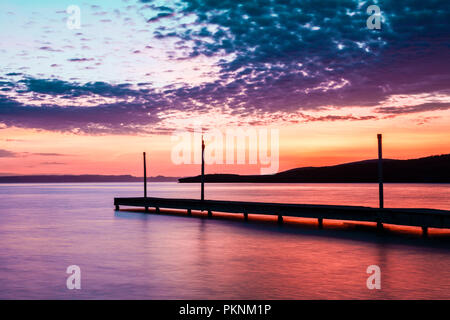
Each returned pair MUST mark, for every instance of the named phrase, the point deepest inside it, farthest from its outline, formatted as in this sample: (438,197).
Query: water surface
(130,255)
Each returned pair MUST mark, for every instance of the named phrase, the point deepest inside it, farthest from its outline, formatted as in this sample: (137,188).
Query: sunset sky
(91,100)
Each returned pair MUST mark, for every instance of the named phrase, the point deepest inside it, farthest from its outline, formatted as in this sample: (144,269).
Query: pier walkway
(425,218)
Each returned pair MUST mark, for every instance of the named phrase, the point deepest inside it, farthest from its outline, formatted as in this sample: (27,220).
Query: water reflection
(131,255)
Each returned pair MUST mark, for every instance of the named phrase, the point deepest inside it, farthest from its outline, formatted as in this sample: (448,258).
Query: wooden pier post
(189,212)
(425,232)
(145,181)
(203,171)
(320,223)
(117,207)
(380,170)
(245,216)
(380,176)
(280,219)
(209,214)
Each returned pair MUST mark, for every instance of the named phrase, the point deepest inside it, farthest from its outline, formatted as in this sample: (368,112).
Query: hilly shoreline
(433,169)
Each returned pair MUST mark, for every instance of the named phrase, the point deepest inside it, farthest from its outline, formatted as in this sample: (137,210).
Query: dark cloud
(7,154)
(424,107)
(50,49)
(52,163)
(349,117)
(10,154)
(124,118)
(73,89)
(283,49)
(50,154)
(80,59)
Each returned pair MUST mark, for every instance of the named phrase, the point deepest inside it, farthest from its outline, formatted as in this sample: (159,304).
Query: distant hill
(434,169)
(81,178)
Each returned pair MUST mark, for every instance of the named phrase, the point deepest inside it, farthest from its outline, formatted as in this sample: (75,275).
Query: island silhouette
(433,169)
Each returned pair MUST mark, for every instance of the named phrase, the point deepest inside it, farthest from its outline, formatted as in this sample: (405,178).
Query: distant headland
(81,179)
(434,169)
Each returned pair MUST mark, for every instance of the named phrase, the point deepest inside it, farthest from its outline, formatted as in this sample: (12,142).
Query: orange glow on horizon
(304,144)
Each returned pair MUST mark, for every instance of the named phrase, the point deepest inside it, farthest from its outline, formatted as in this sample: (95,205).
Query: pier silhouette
(418,217)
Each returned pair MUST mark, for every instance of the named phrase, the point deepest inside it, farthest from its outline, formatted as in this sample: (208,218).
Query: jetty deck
(425,218)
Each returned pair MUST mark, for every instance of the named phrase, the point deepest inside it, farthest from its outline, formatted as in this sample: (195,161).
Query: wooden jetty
(424,218)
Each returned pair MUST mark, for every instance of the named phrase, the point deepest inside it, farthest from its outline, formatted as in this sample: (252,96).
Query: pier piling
(379,226)
(320,220)
(145,177)
(380,177)
(380,170)
(203,171)
(145,180)
(280,219)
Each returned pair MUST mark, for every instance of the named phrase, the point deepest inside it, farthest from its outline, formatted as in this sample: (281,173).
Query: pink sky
(304,144)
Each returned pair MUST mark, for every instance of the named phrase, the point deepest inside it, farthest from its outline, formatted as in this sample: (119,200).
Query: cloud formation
(290,57)
(10,154)
(7,154)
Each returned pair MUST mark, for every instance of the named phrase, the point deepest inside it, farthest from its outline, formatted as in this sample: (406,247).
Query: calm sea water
(44,228)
